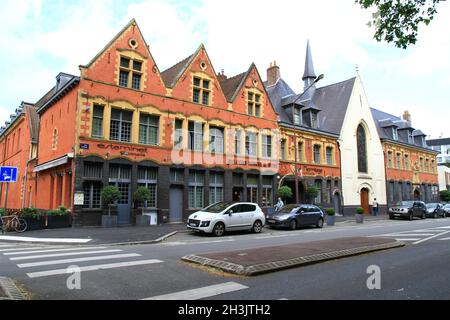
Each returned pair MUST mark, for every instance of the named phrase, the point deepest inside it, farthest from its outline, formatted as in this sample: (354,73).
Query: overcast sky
(40,38)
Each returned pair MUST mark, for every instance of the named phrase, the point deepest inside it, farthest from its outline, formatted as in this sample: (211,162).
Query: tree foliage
(398,21)
(141,195)
(312,192)
(110,194)
(445,195)
(285,192)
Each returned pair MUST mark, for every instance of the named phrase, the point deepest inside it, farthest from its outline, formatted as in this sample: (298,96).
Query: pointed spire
(309,66)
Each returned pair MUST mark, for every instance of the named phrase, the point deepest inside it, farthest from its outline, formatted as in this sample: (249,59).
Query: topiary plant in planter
(311,193)
(285,192)
(34,218)
(359,215)
(60,218)
(330,216)
(140,196)
(109,195)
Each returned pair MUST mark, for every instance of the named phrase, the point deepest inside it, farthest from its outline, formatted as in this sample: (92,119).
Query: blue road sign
(8,174)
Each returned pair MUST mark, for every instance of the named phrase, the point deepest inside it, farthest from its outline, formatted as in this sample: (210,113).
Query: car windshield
(405,203)
(447,206)
(290,208)
(217,207)
(432,205)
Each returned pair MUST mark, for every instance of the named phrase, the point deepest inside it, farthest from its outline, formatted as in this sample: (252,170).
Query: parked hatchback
(408,210)
(293,216)
(447,210)
(435,210)
(227,216)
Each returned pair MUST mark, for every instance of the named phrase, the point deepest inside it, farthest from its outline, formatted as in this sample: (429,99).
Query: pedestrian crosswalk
(417,236)
(48,260)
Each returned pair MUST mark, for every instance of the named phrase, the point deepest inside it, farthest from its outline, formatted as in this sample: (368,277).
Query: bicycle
(13,222)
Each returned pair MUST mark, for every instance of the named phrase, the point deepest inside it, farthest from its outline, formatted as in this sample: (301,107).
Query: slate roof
(171,75)
(231,85)
(438,142)
(34,124)
(277,93)
(46,98)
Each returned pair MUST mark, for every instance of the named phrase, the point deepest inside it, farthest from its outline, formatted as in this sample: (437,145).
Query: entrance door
(176,205)
(124,204)
(237,194)
(416,195)
(337,203)
(365,200)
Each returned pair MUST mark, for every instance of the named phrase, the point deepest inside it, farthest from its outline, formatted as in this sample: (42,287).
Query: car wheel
(319,223)
(257,227)
(219,229)
(391,217)
(293,225)
(435,215)
(410,217)
(424,216)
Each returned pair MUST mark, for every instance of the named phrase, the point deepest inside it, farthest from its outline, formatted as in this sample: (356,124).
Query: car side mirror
(230,212)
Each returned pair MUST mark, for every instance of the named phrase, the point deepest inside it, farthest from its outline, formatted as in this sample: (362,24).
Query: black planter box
(34,224)
(55,222)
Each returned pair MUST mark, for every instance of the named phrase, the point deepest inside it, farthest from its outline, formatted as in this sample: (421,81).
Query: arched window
(362,149)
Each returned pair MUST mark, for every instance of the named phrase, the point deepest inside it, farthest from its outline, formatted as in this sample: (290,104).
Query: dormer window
(201,91)
(394,133)
(310,119)
(410,137)
(296,115)
(130,74)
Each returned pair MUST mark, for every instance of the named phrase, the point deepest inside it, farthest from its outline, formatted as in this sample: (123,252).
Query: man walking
(375,207)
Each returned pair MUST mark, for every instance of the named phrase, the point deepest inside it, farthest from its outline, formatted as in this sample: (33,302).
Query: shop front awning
(53,164)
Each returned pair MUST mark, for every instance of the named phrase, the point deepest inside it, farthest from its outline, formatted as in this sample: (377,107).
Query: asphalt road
(417,271)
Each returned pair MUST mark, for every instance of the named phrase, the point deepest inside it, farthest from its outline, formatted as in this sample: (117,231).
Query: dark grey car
(435,210)
(408,210)
(293,216)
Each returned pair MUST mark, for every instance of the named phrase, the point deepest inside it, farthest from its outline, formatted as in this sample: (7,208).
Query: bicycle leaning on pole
(13,222)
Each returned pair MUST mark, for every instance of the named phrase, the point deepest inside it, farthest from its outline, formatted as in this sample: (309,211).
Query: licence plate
(192,224)
(271,221)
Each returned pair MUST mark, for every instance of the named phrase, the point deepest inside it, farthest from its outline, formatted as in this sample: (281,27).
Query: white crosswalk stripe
(417,236)
(39,258)
(201,293)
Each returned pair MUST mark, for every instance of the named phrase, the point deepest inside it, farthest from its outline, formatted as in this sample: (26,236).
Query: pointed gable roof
(171,75)
(309,66)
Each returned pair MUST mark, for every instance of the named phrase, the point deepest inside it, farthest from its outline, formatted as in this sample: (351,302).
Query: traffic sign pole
(6,197)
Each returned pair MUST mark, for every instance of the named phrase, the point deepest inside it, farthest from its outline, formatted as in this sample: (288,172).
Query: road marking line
(407,239)
(52,262)
(200,293)
(409,234)
(52,250)
(63,254)
(444,239)
(448,227)
(93,268)
(429,238)
(29,248)
(53,240)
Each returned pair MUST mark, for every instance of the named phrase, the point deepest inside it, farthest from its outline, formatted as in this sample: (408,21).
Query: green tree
(311,193)
(109,195)
(141,195)
(285,192)
(445,195)
(398,21)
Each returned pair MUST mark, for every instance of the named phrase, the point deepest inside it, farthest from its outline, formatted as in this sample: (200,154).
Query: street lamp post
(297,196)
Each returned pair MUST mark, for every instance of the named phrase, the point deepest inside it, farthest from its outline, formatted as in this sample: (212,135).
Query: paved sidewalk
(261,260)
(367,218)
(123,235)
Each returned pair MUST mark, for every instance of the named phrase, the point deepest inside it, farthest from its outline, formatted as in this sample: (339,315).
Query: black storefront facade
(176,190)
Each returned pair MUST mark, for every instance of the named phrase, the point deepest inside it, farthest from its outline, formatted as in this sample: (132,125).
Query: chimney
(273,74)
(221,76)
(407,117)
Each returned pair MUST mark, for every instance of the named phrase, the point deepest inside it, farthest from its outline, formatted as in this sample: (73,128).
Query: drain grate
(9,290)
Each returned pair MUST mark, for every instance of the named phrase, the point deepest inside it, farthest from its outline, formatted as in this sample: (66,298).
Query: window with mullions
(97,121)
(118,172)
(254,104)
(318,185)
(398,164)
(251,144)
(195,136)
(92,195)
(283,149)
(93,170)
(406,162)
(362,149)
(297,115)
(149,130)
(201,91)
(216,140)
(317,155)
(237,142)
(329,152)
(267,146)
(130,74)
(215,187)
(196,189)
(148,178)
(178,137)
(252,189)
(390,160)
(300,152)
(121,122)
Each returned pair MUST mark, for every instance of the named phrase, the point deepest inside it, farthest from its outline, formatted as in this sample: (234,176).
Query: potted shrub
(34,219)
(109,195)
(140,196)
(330,216)
(59,218)
(284,193)
(359,215)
